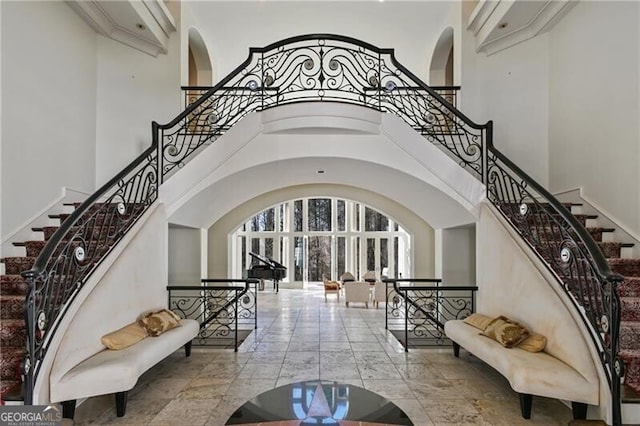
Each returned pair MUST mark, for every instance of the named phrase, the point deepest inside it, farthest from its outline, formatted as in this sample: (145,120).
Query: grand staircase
(319,68)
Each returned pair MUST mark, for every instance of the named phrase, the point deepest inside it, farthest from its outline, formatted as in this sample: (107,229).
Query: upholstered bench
(528,373)
(117,371)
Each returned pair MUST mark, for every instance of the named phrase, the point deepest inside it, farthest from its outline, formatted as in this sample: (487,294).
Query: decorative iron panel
(76,249)
(566,248)
(222,310)
(321,68)
(420,311)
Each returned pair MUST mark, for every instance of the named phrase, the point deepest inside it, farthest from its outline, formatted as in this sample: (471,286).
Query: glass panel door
(319,258)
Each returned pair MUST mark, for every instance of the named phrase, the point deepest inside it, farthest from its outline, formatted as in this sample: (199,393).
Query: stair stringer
(513,281)
(377,151)
(104,303)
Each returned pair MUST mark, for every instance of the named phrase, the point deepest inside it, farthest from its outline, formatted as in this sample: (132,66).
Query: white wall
(594,94)
(230,28)
(48,105)
(459,256)
(511,88)
(184,261)
(133,89)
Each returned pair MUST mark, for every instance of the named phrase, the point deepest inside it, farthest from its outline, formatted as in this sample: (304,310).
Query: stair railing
(569,252)
(321,68)
(75,250)
(423,305)
(220,307)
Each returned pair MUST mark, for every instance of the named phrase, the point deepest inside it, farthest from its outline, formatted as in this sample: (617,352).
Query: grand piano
(268,270)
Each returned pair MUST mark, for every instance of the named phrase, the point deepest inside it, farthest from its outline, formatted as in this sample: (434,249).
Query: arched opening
(317,237)
(441,69)
(200,69)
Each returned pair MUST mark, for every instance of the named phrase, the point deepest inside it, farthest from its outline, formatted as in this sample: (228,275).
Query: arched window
(320,237)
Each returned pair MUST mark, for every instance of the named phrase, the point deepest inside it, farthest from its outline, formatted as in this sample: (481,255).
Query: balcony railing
(417,308)
(227,309)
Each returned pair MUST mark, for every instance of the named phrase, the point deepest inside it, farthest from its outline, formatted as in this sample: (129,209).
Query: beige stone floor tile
(303,346)
(302,357)
(349,345)
(159,389)
(367,347)
(345,371)
(205,387)
(139,412)
(452,411)
(332,346)
(249,388)
(416,413)
(222,370)
(378,371)
(389,389)
(260,370)
(191,412)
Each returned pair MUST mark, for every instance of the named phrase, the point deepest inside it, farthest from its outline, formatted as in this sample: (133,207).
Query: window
(323,237)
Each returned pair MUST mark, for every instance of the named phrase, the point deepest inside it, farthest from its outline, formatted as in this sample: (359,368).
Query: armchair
(379,293)
(357,291)
(331,287)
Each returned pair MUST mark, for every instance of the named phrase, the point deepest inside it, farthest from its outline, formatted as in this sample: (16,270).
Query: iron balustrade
(569,252)
(417,308)
(321,68)
(222,308)
(193,93)
(75,250)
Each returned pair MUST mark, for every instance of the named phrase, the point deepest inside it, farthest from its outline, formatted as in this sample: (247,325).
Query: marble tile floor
(302,337)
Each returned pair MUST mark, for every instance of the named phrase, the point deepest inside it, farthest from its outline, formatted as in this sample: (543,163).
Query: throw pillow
(124,337)
(534,343)
(158,322)
(478,321)
(490,329)
(331,285)
(510,334)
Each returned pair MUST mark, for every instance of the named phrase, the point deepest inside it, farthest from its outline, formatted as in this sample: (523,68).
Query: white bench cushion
(111,371)
(530,373)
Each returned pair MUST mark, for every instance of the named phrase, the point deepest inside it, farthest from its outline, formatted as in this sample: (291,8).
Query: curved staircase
(320,68)
(13,291)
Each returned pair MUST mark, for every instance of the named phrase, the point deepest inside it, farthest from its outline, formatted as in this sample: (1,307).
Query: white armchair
(379,293)
(356,291)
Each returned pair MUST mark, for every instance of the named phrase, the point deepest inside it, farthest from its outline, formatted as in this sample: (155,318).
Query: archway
(441,69)
(200,69)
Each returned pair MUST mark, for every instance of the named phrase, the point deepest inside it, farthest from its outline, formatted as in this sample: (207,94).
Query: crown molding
(143,25)
(524,20)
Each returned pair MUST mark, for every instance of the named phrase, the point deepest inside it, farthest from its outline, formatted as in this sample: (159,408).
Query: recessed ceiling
(500,24)
(143,25)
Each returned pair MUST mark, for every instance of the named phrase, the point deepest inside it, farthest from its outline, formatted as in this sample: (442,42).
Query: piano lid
(272,263)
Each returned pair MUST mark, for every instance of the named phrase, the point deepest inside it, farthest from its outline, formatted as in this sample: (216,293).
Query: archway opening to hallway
(318,237)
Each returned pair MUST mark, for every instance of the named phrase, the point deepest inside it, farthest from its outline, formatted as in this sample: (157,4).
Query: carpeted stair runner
(543,231)
(629,293)
(13,290)
(101,230)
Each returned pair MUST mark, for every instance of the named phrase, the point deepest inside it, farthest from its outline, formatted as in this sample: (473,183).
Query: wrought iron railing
(75,250)
(417,308)
(227,309)
(320,68)
(569,251)
(192,93)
